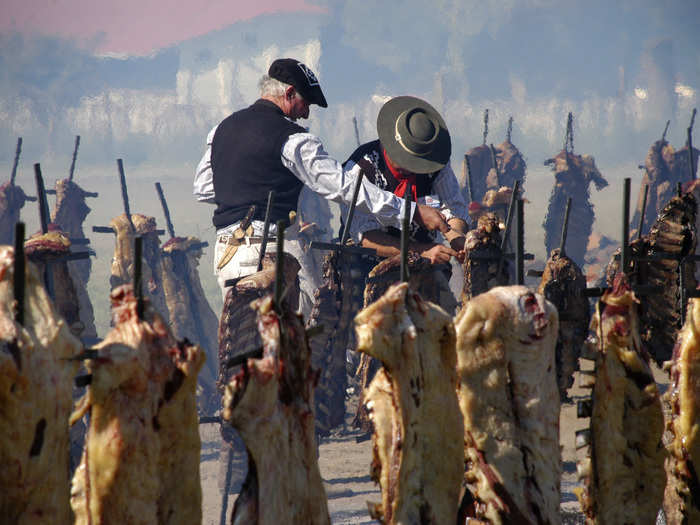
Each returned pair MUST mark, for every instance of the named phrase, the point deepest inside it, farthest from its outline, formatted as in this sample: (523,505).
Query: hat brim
(431,162)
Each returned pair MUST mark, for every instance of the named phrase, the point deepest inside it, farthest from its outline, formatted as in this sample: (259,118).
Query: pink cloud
(135,27)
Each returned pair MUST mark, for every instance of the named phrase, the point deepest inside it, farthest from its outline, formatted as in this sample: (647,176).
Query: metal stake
(125,195)
(405,225)
(643,211)
(75,156)
(520,248)
(351,210)
(166,211)
(624,256)
(138,292)
(19,271)
(565,228)
(470,186)
(18,151)
(266,228)
(279,267)
(357,133)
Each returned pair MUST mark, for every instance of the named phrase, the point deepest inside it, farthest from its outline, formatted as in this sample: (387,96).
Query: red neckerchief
(403,180)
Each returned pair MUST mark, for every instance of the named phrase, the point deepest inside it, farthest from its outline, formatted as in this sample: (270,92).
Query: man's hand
(430,218)
(438,254)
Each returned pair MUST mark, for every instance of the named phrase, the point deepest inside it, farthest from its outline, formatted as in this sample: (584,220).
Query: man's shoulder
(368,150)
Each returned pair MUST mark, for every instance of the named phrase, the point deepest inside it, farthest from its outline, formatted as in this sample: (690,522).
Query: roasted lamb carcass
(509,399)
(573,174)
(47,251)
(622,470)
(511,164)
(140,463)
(126,229)
(661,181)
(562,284)
(190,315)
(36,379)
(418,454)
(270,403)
(682,494)
(12,200)
(483,247)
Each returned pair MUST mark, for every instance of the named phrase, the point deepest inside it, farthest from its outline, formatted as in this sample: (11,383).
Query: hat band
(397,136)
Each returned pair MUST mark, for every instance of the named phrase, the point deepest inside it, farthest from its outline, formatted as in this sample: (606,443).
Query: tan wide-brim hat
(414,135)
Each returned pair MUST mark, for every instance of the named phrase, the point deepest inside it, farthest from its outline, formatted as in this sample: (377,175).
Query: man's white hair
(271,87)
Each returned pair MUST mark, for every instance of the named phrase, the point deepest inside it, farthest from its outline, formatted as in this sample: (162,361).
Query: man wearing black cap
(413,150)
(261,148)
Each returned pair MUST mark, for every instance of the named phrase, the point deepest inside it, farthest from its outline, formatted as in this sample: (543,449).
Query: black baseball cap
(299,75)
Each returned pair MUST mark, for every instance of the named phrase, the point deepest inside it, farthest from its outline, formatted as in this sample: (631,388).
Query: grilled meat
(508,397)
(483,246)
(417,454)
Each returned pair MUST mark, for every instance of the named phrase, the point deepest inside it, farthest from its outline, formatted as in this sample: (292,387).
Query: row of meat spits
(140,460)
(170,271)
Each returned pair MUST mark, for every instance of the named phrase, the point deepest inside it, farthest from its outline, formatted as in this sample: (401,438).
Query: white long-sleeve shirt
(304,155)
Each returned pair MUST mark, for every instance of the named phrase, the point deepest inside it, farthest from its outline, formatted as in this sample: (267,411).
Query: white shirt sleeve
(303,154)
(203,188)
(454,204)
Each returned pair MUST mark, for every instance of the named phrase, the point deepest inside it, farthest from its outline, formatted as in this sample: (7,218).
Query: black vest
(246,164)
(382,178)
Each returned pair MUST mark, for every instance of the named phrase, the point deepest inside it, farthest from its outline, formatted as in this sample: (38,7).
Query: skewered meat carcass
(509,399)
(45,251)
(36,378)
(622,470)
(510,164)
(682,495)
(479,165)
(418,453)
(69,215)
(270,403)
(573,174)
(483,247)
(658,176)
(140,463)
(335,304)
(562,284)
(12,200)
(190,315)
(426,279)
(123,260)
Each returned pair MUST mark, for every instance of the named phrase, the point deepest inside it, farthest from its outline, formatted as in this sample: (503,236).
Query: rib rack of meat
(418,453)
(12,200)
(682,494)
(36,377)
(140,463)
(123,260)
(190,315)
(562,283)
(69,215)
(622,470)
(47,252)
(335,304)
(508,396)
(270,403)
(573,176)
(658,176)
(426,280)
(483,246)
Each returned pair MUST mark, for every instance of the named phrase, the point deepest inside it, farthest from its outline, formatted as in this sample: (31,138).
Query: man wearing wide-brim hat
(413,150)
(261,148)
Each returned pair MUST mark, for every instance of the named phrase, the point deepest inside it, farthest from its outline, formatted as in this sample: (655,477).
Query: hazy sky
(134,27)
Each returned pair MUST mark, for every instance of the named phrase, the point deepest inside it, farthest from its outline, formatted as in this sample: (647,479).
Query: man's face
(297,106)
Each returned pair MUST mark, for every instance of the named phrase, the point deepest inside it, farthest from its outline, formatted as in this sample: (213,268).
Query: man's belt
(245,229)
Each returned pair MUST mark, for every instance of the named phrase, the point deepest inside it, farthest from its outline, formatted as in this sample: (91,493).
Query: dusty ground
(345,462)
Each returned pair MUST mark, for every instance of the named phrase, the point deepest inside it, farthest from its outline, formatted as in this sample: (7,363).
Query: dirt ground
(345,463)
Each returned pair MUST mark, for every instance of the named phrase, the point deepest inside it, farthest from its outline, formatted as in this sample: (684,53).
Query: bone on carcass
(682,494)
(573,175)
(12,199)
(190,315)
(509,399)
(140,462)
(623,465)
(122,271)
(45,251)
(270,403)
(36,378)
(483,247)
(562,284)
(418,454)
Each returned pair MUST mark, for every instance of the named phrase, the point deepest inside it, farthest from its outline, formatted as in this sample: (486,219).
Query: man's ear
(289,92)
